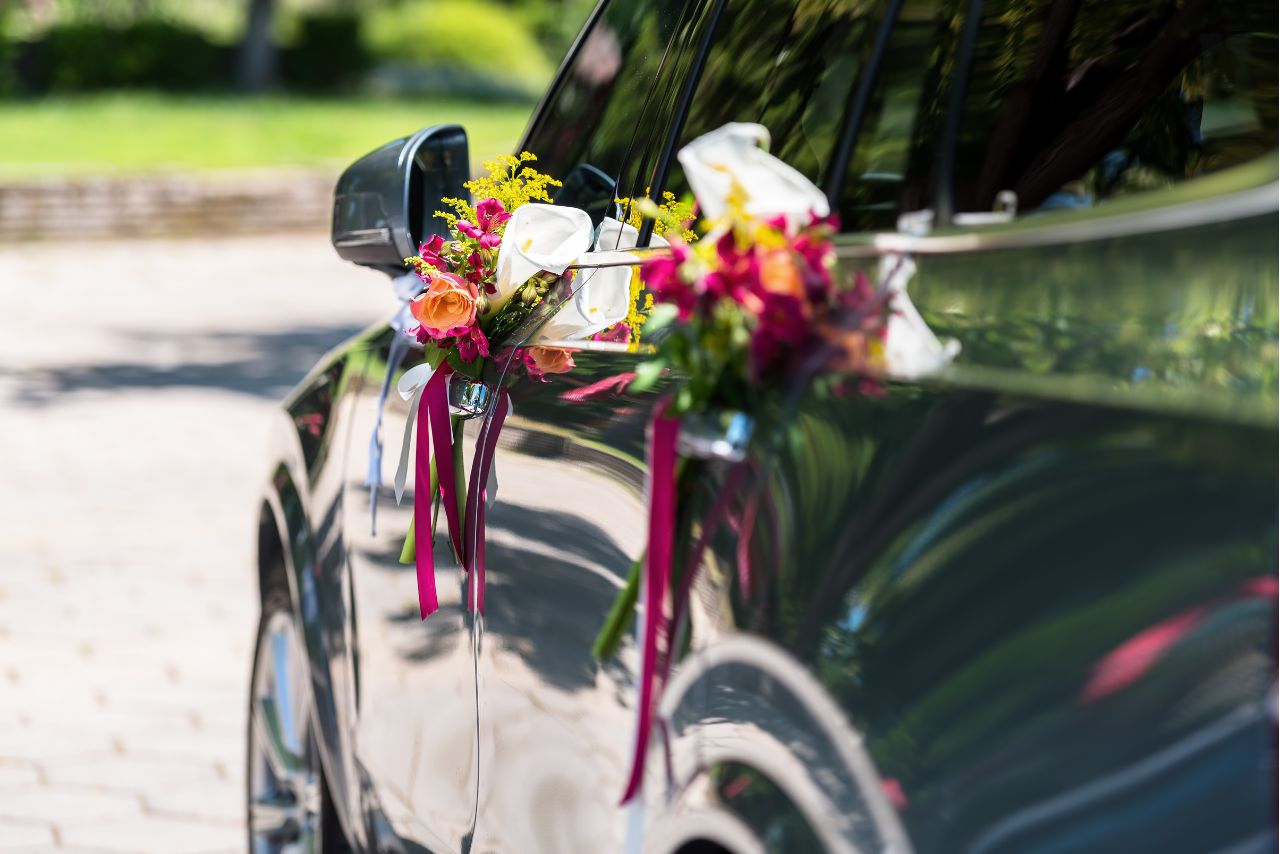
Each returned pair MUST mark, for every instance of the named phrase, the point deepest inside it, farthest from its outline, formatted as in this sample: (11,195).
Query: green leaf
(433,355)
(660,317)
(647,375)
(409,551)
(615,625)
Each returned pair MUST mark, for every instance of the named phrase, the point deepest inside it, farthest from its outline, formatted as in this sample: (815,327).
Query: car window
(893,166)
(591,127)
(791,65)
(1070,104)
(803,84)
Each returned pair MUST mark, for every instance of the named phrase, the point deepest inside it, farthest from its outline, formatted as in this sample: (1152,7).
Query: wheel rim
(284,773)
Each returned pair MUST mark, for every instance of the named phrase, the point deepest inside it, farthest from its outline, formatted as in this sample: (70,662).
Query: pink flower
(430,252)
(619,333)
(472,344)
(490,214)
(662,275)
(781,326)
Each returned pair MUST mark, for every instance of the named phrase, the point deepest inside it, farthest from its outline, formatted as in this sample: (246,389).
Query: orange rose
(448,303)
(552,360)
(779,274)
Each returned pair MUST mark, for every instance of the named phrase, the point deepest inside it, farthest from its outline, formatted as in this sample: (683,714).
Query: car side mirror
(385,202)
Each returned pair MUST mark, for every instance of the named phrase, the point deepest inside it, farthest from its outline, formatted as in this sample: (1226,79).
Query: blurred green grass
(136,132)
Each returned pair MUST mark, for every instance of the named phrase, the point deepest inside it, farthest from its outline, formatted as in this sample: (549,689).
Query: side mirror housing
(385,202)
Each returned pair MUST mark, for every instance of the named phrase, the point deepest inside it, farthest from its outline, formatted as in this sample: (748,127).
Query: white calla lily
(738,153)
(538,237)
(602,296)
(911,350)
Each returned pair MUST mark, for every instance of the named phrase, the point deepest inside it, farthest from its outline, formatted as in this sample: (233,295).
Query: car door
(1017,606)
(556,724)
(569,516)
(413,727)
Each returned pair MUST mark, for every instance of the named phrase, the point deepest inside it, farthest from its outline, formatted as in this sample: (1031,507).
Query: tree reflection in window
(1074,101)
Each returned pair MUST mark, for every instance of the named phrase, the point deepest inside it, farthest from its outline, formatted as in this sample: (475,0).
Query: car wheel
(287,805)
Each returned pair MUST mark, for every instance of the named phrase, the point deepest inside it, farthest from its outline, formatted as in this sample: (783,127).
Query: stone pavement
(137,382)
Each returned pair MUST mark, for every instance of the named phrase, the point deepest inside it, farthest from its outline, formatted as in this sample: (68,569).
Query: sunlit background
(166,177)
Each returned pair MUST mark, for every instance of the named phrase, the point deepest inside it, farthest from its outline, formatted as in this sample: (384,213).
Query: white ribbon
(911,350)
(410,388)
(406,287)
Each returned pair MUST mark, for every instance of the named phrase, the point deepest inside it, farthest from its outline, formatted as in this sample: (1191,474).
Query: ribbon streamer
(433,423)
(478,501)
(657,636)
(395,356)
(428,389)
(657,578)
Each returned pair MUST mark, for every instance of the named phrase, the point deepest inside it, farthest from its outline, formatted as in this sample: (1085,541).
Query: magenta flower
(781,326)
(478,273)
(619,333)
(490,215)
(738,274)
(472,344)
(469,340)
(816,255)
(662,276)
(430,252)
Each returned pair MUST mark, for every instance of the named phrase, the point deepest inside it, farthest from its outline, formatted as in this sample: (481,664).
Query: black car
(1027,604)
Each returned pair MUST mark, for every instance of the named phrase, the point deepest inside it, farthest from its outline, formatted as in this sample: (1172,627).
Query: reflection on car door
(569,521)
(415,724)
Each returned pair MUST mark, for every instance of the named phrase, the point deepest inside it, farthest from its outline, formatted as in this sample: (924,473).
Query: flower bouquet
(752,311)
(507,256)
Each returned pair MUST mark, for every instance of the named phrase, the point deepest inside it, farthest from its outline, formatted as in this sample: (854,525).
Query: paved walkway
(137,381)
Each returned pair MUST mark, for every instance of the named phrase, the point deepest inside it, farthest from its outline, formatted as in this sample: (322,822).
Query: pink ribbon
(435,433)
(657,578)
(657,633)
(481,465)
(433,417)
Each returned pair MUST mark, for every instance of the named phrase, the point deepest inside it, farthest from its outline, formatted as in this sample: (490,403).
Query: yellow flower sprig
(510,180)
(670,216)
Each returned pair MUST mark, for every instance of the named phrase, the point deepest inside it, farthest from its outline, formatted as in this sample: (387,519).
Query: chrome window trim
(1027,233)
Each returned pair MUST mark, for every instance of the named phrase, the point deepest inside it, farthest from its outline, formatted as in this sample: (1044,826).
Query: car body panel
(1025,604)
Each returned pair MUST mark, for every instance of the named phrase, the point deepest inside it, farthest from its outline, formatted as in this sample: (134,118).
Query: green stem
(624,608)
(409,551)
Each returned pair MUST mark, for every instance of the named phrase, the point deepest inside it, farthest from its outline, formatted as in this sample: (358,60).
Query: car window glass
(591,123)
(892,168)
(791,65)
(1073,103)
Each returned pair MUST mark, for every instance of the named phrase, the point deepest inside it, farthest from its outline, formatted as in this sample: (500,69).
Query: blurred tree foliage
(184,45)
(481,36)
(555,23)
